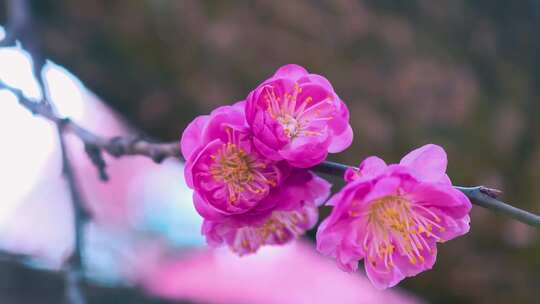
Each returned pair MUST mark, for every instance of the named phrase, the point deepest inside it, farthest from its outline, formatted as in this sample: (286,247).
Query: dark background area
(462,74)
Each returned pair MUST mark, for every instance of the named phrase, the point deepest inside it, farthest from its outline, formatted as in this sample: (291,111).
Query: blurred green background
(462,74)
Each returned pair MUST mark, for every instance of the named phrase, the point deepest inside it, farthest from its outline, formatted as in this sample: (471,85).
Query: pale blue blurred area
(16,71)
(163,221)
(107,249)
(2,33)
(168,207)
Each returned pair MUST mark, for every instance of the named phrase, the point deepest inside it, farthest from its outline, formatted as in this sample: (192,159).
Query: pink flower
(292,210)
(393,215)
(227,173)
(298,117)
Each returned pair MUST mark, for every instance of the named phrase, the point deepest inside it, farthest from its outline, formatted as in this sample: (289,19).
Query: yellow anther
(239,171)
(354,213)
(395,226)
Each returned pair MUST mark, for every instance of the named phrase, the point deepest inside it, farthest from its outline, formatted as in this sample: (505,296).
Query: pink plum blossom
(227,173)
(293,210)
(298,117)
(392,216)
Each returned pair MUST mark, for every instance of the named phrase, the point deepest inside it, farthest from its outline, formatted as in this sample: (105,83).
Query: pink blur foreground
(287,274)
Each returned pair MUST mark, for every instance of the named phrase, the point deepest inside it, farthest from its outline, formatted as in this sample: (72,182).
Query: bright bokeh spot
(65,90)
(2,33)
(167,207)
(16,71)
(27,145)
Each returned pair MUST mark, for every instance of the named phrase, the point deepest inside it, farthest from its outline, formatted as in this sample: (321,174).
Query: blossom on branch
(298,117)
(392,216)
(246,199)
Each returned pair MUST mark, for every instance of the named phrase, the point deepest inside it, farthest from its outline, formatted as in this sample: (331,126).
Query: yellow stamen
(394,224)
(239,171)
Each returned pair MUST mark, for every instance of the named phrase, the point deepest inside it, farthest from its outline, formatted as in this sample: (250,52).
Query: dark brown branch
(120,146)
(74,268)
(115,146)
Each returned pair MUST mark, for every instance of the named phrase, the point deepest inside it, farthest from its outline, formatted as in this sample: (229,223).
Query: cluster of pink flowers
(248,164)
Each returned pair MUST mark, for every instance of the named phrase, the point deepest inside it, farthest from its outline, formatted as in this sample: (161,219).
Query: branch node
(158,157)
(63,122)
(493,193)
(117,146)
(95,155)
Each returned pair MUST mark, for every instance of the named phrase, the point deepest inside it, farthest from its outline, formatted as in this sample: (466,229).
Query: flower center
(295,116)
(395,223)
(291,126)
(240,172)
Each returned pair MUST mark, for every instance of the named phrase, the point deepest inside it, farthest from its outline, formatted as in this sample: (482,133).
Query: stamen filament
(394,222)
(292,114)
(240,172)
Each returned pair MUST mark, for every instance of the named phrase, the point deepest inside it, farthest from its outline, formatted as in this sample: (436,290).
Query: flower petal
(321,80)
(206,210)
(428,162)
(381,277)
(191,138)
(291,71)
(384,187)
(305,152)
(453,227)
(446,199)
(409,269)
(368,168)
(341,141)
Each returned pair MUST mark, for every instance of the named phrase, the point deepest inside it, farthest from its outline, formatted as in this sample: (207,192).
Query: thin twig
(115,146)
(20,28)
(484,197)
(481,196)
(74,271)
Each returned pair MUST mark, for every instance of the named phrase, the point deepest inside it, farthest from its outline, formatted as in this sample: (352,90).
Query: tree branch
(479,195)
(74,273)
(487,198)
(115,146)
(121,146)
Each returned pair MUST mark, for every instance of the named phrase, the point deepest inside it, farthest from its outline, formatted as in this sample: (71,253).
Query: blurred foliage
(463,74)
